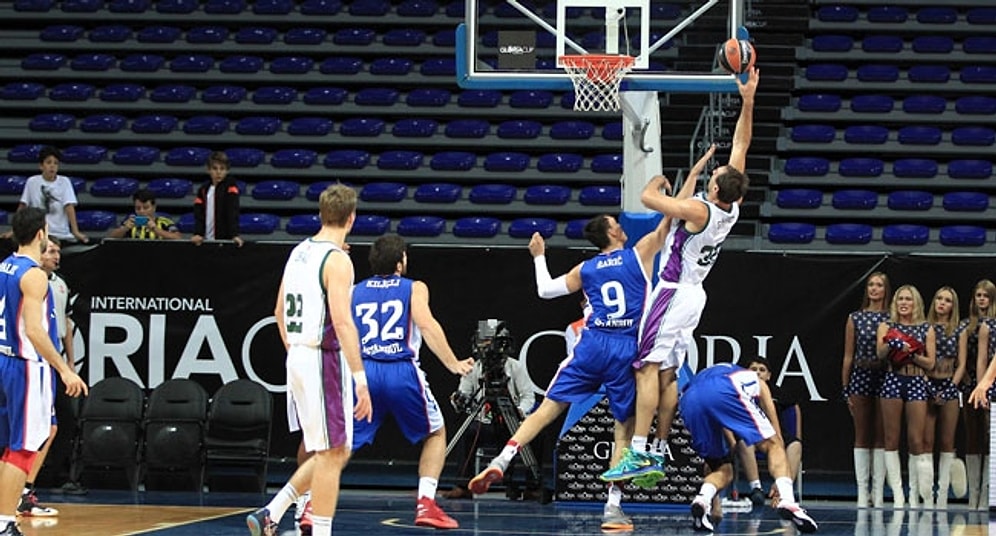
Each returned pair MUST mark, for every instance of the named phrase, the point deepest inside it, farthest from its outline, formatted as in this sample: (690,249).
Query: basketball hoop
(596,79)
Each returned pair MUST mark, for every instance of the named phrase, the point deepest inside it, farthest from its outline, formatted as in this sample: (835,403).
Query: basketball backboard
(512,44)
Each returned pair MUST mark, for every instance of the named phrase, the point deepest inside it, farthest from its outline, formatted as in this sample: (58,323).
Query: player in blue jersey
(729,397)
(27,355)
(616,283)
(392,315)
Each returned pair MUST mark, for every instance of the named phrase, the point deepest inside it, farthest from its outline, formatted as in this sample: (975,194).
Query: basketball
(736,56)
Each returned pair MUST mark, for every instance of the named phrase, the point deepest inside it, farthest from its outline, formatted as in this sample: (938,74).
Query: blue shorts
(598,359)
(907,388)
(944,389)
(865,381)
(399,389)
(716,399)
(25,403)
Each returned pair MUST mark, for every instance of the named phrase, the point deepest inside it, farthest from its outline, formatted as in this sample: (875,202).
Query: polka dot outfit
(907,388)
(865,381)
(947,349)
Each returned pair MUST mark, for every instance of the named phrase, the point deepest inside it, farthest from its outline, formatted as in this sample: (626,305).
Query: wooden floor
(377,512)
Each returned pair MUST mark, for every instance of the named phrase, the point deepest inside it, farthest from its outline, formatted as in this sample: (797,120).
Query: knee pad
(22,459)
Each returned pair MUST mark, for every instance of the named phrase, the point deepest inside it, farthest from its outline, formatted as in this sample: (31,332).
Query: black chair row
(177,435)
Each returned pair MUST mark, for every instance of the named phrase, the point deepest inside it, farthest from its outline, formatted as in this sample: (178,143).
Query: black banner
(153,311)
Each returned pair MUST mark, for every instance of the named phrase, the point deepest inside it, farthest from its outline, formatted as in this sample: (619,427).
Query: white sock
(281,502)
(639,443)
(511,449)
(321,525)
(707,492)
(755,484)
(615,495)
(427,487)
(785,491)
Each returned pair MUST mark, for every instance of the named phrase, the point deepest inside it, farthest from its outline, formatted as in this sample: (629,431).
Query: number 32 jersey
(617,289)
(382,311)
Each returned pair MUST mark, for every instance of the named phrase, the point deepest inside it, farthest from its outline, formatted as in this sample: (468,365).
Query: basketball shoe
(429,514)
(11,530)
(614,519)
(635,465)
(304,523)
(791,511)
(700,515)
(494,472)
(260,524)
(30,507)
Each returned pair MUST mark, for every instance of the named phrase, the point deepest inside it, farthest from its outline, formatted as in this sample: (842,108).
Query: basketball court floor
(390,513)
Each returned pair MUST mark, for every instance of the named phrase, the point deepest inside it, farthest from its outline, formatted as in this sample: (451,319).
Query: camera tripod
(508,413)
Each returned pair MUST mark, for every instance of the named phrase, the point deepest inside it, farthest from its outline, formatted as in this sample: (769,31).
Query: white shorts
(320,390)
(668,324)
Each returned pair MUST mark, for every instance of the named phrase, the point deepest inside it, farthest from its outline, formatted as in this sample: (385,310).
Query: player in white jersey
(323,348)
(699,226)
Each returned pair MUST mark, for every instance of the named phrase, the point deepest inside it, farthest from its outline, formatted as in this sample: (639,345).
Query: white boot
(925,478)
(958,475)
(943,479)
(984,488)
(894,474)
(973,468)
(878,478)
(862,470)
(912,468)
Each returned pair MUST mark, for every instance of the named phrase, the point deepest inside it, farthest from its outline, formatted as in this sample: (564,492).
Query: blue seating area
(888,141)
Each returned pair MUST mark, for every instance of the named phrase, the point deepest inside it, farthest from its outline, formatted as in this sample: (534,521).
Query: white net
(596,79)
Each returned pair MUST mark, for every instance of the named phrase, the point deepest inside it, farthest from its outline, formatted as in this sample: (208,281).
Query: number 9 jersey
(617,289)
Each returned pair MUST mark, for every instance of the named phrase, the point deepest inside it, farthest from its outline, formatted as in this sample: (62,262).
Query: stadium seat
(142,63)
(479,98)
(320,7)
(889,44)
(43,61)
(258,223)
(799,198)
(559,163)
(292,65)
(114,187)
(274,95)
(38,6)
(973,136)
(873,104)
(272,7)
(341,65)
(23,91)
(224,7)
(325,96)
(400,160)
(187,156)
(813,133)
(414,128)
(444,38)
(525,227)
(933,44)
(370,225)
(607,163)
(832,43)
(970,169)
(452,161)
(170,188)
(258,126)
(108,123)
(241,64)
(417,8)
(428,97)
(976,105)
(391,66)
(467,128)
(492,194)
(275,190)
(866,134)
(362,127)
(375,96)
(354,36)
(79,184)
(914,168)
(476,227)
(965,201)
(302,36)
(530,99)
(52,122)
(919,135)
(910,200)
(854,200)
(547,194)
(523,129)
(905,235)
(224,94)
(245,156)
(981,15)
(806,166)
(135,155)
(924,104)
(438,67)
(95,220)
(860,167)
(937,15)
(186,223)
(572,130)
(369,8)
(92,62)
(575,229)
(256,35)
(887,14)
(61,33)
(819,102)
(791,233)
(347,159)
(207,35)
(929,74)
(383,192)
(315,189)
(83,154)
(309,126)
(437,193)
(206,124)
(24,153)
(978,74)
(600,196)
(421,226)
(506,161)
(12,184)
(826,72)
(848,233)
(962,235)
(303,224)
(158,34)
(878,73)
(172,93)
(613,131)
(293,158)
(403,37)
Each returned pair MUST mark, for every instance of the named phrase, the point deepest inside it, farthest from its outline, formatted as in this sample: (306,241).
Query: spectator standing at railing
(216,205)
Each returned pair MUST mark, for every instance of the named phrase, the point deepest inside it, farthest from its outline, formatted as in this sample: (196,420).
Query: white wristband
(360,378)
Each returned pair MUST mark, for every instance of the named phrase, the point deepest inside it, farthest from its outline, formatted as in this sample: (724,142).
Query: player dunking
(700,225)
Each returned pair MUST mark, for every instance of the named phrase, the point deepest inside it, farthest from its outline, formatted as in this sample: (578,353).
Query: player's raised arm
(745,123)
(546,286)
